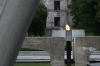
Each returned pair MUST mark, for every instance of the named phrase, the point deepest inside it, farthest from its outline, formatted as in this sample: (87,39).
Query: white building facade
(58,14)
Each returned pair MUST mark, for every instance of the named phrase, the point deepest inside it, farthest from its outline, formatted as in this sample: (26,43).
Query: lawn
(36,64)
(32,64)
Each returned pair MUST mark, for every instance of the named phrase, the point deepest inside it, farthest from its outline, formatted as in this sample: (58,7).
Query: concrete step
(43,56)
(29,53)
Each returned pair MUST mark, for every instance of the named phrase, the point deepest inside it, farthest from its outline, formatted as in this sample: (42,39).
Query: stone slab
(84,46)
(53,45)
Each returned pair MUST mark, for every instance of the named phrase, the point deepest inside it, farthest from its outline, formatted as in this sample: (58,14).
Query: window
(57,21)
(56,5)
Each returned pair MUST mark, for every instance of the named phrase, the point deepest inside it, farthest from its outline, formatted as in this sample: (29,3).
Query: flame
(67,27)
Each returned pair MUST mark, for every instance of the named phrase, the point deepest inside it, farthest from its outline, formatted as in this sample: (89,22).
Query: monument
(84,46)
(14,22)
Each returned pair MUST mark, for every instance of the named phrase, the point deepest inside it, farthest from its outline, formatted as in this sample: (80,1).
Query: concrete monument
(14,22)
(84,46)
(53,45)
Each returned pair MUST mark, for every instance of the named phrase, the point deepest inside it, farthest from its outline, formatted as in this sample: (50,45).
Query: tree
(86,15)
(38,25)
(97,17)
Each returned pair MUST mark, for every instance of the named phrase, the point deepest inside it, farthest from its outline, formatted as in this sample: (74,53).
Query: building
(58,14)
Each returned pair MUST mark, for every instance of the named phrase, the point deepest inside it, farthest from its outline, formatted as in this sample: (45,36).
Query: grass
(32,64)
(36,64)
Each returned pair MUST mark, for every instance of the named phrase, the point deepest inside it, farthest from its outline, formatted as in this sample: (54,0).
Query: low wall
(53,45)
(84,46)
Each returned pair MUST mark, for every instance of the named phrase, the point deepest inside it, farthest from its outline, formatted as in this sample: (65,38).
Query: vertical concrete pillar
(57,51)
(14,22)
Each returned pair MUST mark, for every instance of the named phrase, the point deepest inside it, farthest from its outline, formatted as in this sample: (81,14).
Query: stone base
(81,62)
(57,63)
(69,61)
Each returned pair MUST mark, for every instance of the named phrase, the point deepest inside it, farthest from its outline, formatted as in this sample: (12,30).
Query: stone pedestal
(53,45)
(84,46)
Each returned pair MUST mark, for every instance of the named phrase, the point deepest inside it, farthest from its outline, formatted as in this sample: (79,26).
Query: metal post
(51,26)
(68,44)
(68,49)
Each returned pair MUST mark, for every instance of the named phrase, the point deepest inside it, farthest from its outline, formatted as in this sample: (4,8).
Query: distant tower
(58,14)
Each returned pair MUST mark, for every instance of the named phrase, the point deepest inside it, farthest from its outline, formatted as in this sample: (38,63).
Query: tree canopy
(86,15)
(38,24)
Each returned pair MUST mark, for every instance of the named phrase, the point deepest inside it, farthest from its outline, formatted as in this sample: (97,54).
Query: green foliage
(98,16)
(86,15)
(98,12)
(38,24)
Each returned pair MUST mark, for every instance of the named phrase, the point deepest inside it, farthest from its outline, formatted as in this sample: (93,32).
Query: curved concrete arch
(14,22)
